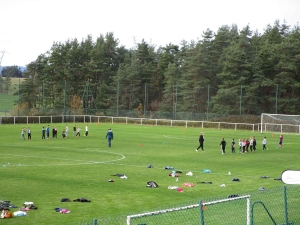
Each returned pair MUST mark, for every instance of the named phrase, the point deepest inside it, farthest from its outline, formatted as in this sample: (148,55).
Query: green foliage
(11,71)
(44,171)
(208,73)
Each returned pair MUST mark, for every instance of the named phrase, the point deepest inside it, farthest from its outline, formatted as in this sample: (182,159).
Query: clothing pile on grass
(5,207)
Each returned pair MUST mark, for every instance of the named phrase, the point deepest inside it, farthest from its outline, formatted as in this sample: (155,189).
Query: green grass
(44,171)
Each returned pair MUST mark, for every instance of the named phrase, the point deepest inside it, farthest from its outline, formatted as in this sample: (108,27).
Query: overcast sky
(28,28)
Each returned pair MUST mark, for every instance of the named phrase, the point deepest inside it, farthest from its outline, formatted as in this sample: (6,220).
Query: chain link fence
(278,206)
(147,100)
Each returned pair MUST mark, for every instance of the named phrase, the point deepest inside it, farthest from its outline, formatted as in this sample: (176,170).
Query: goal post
(228,211)
(279,123)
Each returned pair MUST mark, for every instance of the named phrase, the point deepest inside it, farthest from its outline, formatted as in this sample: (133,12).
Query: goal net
(231,210)
(281,123)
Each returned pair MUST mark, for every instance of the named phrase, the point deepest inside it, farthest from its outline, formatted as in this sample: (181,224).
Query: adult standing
(109,136)
(223,145)
(201,142)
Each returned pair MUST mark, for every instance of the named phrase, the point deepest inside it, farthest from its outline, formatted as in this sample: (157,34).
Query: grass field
(45,171)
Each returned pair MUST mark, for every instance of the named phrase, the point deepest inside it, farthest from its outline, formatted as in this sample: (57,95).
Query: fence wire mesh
(278,206)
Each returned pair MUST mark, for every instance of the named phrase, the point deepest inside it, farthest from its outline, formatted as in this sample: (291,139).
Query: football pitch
(44,171)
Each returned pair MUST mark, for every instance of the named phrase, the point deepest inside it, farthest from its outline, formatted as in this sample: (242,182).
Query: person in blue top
(48,131)
(109,136)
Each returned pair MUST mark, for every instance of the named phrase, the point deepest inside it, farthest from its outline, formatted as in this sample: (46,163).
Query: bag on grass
(152,184)
(235,179)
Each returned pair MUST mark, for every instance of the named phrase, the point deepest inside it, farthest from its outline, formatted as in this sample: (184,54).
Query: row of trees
(219,73)
(11,71)
(5,77)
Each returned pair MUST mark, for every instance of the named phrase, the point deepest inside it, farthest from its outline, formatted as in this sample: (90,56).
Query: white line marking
(80,162)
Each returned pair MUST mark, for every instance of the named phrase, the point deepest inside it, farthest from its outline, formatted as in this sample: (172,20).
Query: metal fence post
(95,222)
(285,206)
(201,213)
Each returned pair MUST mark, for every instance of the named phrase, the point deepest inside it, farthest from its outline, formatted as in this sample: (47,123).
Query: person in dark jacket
(223,145)
(109,136)
(201,141)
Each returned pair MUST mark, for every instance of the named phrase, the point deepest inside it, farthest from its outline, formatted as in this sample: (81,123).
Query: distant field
(8,100)
(45,171)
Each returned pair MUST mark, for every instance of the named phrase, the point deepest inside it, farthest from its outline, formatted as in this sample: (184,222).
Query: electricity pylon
(2,55)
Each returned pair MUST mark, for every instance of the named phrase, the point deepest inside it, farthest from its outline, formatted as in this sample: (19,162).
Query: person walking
(264,143)
(29,133)
(201,141)
(78,132)
(109,136)
(223,145)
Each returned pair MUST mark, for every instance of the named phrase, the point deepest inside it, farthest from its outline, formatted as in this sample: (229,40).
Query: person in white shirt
(251,144)
(264,143)
(78,132)
(23,133)
(66,130)
(29,133)
(86,130)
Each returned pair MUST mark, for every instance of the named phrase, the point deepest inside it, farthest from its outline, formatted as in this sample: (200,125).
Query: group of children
(76,133)
(28,133)
(245,145)
(46,132)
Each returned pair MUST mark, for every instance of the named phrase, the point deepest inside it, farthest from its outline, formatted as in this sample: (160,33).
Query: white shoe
(196,150)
